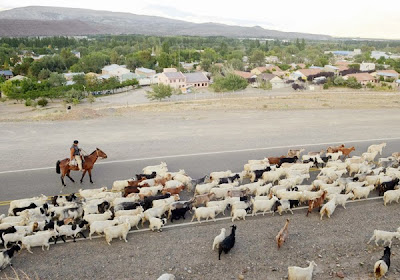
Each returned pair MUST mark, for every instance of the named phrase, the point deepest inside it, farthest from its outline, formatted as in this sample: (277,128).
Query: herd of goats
(273,184)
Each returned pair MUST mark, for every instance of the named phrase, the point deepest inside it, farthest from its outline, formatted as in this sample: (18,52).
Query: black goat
(387,186)
(287,160)
(228,180)
(195,182)
(127,206)
(103,207)
(258,173)
(7,255)
(17,210)
(383,265)
(178,213)
(148,201)
(227,244)
(147,176)
(7,231)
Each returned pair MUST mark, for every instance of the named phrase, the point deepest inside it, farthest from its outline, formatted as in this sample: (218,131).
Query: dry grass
(19,275)
(292,102)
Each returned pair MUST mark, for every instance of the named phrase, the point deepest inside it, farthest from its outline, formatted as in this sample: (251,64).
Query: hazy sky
(349,18)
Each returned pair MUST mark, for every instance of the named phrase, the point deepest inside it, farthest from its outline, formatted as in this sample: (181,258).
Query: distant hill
(53,21)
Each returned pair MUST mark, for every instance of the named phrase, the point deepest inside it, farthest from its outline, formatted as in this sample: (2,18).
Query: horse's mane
(93,152)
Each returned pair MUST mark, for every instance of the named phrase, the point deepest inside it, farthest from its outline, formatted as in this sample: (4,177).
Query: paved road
(203,139)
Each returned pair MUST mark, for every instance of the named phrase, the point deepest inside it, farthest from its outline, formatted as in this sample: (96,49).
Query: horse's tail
(58,170)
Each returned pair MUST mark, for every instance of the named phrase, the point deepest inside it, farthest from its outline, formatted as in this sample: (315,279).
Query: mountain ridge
(51,21)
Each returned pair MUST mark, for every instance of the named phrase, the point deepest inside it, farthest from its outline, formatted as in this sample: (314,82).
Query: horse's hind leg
(83,175)
(90,175)
(70,176)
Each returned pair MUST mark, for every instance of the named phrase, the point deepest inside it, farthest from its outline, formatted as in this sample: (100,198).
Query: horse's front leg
(90,175)
(70,177)
(62,180)
(83,175)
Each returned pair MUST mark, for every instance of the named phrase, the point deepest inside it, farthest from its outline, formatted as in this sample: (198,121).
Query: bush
(159,92)
(352,83)
(339,81)
(91,98)
(42,102)
(28,102)
(230,82)
(326,86)
(74,94)
(75,101)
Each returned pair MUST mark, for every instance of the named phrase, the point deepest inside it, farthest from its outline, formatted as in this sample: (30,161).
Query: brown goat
(176,190)
(346,151)
(293,153)
(316,203)
(334,149)
(130,189)
(282,235)
(275,160)
(201,199)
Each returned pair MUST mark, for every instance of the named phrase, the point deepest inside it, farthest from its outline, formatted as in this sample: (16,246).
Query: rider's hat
(76,141)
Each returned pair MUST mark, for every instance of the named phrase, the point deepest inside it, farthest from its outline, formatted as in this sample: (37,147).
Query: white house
(145,72)
(365,66)
(173,78)
(119,71)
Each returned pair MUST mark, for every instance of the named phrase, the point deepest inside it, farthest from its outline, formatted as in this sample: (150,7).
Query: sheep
(153,212)
(186,180)
(150,191)
(393,172)
(334,156)
(300,273)
(220,192)
(91,192)
(11,238)
(292,195)
(132,212)
(341,198)
(165,201)
(98,217)
(99,226)
(360,192)
(221,204)
(38,239)
(119,200)
(133,220)
(37,200)
(376,148)
(302,188)
(252,187)
(239,213)
(215,176)
(204,212)
(156,223)
(328,208)
(283,234)
(385,236)
(308,195)
(70,230)
(391,195)
(263,205)
(229,185)
(339,165)
(334,190)
(120,231)
(6,256)
(369,157)
(227,244)
(218,239)
(120,185)
(352,185)
(161,168)
(272,176)
(383,265)
(205,188)
(20,220)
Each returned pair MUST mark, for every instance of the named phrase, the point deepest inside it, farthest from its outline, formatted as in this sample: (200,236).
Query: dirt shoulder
(269,102)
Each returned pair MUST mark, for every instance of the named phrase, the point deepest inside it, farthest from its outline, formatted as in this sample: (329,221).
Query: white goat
(219,238)
(120,231)
(157,223)
(385,236)
(300,273)
(391,195)
(263,205)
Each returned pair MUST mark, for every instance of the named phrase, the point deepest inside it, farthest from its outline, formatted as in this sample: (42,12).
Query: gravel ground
(336,244)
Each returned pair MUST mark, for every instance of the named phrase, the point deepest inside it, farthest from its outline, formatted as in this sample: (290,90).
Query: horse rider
(76,154)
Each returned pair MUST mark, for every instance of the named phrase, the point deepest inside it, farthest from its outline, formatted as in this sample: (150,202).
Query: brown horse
(64,168)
